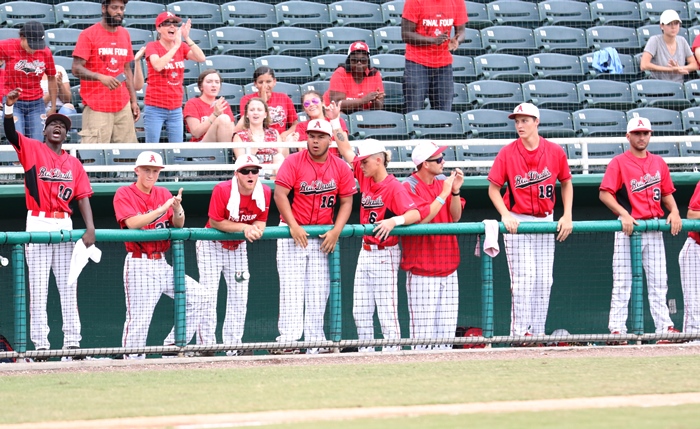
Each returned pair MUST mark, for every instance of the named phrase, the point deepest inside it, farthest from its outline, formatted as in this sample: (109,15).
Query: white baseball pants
(433,305)
(689,260)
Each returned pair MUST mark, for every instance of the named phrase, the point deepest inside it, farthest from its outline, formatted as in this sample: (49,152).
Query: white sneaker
(233,353)
(135,356)
(391,349)
(366,350)
(316,351)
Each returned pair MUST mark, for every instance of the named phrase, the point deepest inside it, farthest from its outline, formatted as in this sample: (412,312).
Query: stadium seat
(693,32)
(645,32)
(391,66)
(630,70)
(393,97)
(323,66)
(61,41)
(562,40)
(90,157)
(460,98)
(623,39)
(615,12)
(250,14)
(477,153)
(66,63)
(196,157)
(392,11)
(659,93)
(388,40)
(351,13)
(605,94)
(126,157)
(693,13)
(691,120)
(555,124)
(463,70)
(337,40)
(602,150)
(245,42)
(651,10)
(664,122)
(492,94)
(552,94)
(75,98)
(667,150)
(567,13)
(142,14)
(507,67)
(692,91)
(76,124)
(434,124)
(192,70)
(16,13)
(472,44)
(293,41)
(9,33)
(304,14)
(477,14)
(290,89)
(555,66)
(201,38)
(599,123)
(320,86)
(513,12)
(232,93)
(488,124)
(233,69)
(287,69)
(78,14)
(507,39)
(377,124)
(204,16)
(139,37)
(690,149)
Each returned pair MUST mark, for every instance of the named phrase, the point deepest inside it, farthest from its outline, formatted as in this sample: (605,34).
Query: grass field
(85,394)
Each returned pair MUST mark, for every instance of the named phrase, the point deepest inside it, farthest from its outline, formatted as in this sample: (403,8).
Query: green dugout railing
(178,236)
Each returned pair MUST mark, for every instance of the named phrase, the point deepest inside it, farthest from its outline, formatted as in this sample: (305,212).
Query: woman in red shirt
(283,116)
(354,83)
(209,119)
(166,73)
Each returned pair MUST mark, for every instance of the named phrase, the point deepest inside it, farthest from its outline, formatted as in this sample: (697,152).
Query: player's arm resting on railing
(9,123)
(251,232)
(565,224)
(86,212)
(285,208)
(674,217)
(627,220)
(507,218)
(384,227)
(439,202)
(330,238)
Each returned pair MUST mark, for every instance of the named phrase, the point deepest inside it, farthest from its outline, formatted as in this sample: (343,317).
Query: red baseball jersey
(197,108)
(165,88)
(129,201)
(638,184)
(432,18)
(282,111)
(342,81)
(51,181)
(429,255)
(106,53)
(695,205)
(316,187)
(381,201)
(531,176)
(24,70)
(248,211)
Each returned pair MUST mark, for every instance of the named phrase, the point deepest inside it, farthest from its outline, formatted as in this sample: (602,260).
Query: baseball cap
(425,150)
(246,161)
(668,16)
(149,158)
(638,124)
(33,31)
(166,16)
(58,117)
(369,147)
(358,46)
(527,109)
(320,125)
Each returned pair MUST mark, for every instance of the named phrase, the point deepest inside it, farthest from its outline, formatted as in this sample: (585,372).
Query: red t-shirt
(165,88)
(429,255)
(696,44)
(24,70)
(531,176)
(638,184)
(342,81)
(196,108)
(105,53)
(316,187)
(381,201)
(248,211)
(695,205)
(432,18)
(282,112)
(129,201)
(264,154)
(51,181)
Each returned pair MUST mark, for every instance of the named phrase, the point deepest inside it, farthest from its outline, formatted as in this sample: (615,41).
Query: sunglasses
(314,100)
(168,23)
(436,160)
(359,60)
(247,171)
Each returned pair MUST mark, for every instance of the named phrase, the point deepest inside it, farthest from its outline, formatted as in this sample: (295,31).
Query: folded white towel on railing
(490,239)
(79,259)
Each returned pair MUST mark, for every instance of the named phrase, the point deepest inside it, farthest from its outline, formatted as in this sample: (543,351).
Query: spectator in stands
(209,119)
(283,116)
(101,61)
(426,28)
(165,59)
(355,83)
(63,97)
(314,109)
(27,59)
(256,123)
(668,56)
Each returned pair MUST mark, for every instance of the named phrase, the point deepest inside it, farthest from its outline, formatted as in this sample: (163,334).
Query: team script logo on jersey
(372,203)
(644,182)
(532,178)
(30,67)
(55,175)
(317,187)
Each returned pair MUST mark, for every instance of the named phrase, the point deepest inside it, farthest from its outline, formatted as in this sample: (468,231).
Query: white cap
(148,158)
(320,125)
(669,16)
(246,161)
(425,150)
(527,109)
(369,147)
(638,124)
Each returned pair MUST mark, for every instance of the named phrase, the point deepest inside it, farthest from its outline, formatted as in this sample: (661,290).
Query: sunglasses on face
(359,60)
(436,160)
(169,23)
(247,171)
(314,100)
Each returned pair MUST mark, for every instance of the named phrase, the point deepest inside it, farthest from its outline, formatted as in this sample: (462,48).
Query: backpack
(5,346)
(469,332)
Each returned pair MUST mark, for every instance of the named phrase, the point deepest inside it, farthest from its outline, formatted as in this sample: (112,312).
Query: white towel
(234,202)
(490,240)
(80,258)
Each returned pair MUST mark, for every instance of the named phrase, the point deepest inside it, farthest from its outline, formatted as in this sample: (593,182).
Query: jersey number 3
(65,193)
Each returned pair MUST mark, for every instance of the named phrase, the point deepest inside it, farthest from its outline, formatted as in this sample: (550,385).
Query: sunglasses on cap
(168,23)
(247,171)
(436,160)
(314,100)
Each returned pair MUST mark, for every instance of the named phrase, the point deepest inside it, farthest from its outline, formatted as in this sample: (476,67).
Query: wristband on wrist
(335,124)
(399,220)
(455,194)
(440,200)
(9,110)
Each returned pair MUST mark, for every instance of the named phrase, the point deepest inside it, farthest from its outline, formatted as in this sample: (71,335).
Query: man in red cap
(355,83)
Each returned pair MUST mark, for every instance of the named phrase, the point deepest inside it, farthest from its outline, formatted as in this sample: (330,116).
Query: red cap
(164,16)
(358,46)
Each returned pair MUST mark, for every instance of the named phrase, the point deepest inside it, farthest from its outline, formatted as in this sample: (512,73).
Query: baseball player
(530,167)
(249,200)
(147,275)
(378,263)
(690,275)
(634,186)
(431,261)
(319,183)
(53,178)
